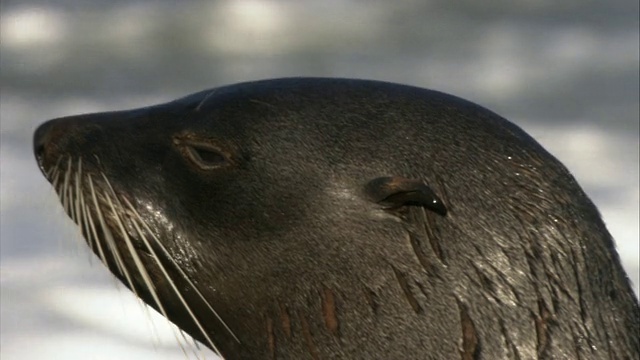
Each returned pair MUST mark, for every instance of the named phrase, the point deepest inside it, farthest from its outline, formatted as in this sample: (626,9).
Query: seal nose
(40,142)
(54,137)
(66,137)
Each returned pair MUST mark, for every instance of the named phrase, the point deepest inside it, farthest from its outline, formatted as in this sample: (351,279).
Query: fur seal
(311,218)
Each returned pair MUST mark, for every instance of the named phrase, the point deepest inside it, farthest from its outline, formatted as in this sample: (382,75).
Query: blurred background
(566,72)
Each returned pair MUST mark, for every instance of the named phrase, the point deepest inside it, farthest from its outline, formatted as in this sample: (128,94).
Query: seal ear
(395,191)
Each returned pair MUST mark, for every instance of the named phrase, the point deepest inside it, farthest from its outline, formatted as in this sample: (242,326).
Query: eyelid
(194,149)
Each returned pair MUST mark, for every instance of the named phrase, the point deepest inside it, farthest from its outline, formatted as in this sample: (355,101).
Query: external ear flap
(396,191)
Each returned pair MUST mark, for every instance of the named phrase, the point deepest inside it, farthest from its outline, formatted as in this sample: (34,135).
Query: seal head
(334,218)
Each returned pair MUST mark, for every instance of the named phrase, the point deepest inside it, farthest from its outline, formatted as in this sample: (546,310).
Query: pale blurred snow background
(567,72)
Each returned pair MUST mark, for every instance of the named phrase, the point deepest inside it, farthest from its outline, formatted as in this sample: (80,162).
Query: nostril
(40,155)
(40,142)
(39,151)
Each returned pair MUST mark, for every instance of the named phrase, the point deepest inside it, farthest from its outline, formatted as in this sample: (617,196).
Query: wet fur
(279,251)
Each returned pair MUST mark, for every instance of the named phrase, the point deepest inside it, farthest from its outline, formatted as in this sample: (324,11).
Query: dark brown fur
(333,218)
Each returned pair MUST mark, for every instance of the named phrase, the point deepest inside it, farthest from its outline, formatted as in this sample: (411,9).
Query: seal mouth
(118,234)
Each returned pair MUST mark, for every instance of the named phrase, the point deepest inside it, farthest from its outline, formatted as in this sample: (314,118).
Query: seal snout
(63,137)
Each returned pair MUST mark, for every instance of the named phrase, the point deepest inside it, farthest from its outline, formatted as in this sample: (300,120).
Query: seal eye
(205,156)
(396,191)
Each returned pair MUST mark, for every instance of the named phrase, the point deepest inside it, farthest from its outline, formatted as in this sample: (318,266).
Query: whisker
(172,284)
(73,194)
(109,239)
(65,187)
(195,345)
(77,192)
(56,179)
(204,100)
(57,187)
(55,167)
(132,251)
(197,351)
(86,228)
(136,258)
(70,201)
(173,287)
(94,236)
(78,204)
(54,173)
